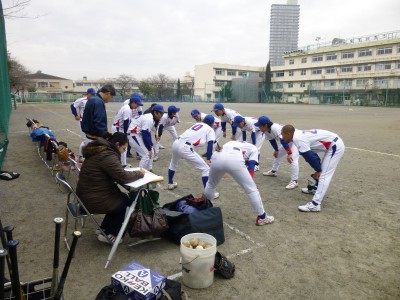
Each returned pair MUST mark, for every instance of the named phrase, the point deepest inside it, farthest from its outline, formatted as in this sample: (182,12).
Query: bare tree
(124,85)
(162,86)
(12,9)
(18,75)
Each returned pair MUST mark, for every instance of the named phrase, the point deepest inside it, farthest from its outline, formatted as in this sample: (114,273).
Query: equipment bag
(208,221)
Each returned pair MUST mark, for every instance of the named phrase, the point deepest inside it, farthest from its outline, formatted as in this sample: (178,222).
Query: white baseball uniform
(124,113)
(250,127)
(318,140)
(137,127)
(168,125)
(216,126)
(79,105)
(276,135)
(135,111)
(227,117)
(184,147)
(232,160)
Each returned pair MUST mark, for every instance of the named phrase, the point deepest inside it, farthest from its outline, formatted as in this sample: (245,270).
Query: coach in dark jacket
(94,120)
(98,178)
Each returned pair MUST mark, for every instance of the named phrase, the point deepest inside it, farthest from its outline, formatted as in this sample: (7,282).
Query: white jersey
(317,140)
(135,111)
(247,151)
(198,135)
(216,124)
(79,105)
(275,133)
(249,126)
(167,121)
(142,123)
(123,114)
(229,115)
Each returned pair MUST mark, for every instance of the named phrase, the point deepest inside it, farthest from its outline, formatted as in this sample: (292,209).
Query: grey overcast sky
(104,38)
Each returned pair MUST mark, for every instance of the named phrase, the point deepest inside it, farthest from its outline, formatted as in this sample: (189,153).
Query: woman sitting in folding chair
(97,185)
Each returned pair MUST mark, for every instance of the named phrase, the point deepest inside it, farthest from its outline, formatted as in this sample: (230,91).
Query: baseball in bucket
(197,260)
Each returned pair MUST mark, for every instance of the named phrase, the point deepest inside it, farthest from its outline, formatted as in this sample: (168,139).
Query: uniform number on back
(197,127)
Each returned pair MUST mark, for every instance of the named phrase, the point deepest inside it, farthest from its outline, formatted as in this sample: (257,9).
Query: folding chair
(75,208)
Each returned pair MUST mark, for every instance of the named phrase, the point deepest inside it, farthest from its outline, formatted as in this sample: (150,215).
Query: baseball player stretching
(123,119)
(227,115)
(140,135)
(138,111)
(232,160)
(308,142)
(247,124)
(167,122)
(199,117)
(272,132)
(77,109)
(196,136)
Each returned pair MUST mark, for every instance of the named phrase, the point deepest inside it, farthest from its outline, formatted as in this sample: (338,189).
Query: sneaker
(257,168)
(309,190)
(270,173)
(155,158)
(111,239)
(310,206)
(267,220)
(292,184)
(162,147)
(216,195)
(98,231)
(172,186)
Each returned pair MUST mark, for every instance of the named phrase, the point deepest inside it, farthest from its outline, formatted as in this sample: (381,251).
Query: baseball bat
(4,243)
(3,254)
(8,230)
(60,287)
(56,257)
(16,285)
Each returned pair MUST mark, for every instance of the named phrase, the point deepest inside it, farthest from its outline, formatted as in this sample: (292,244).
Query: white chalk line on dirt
(376,152)
(235,230)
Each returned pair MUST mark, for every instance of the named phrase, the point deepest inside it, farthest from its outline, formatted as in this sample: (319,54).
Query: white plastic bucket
(198,264)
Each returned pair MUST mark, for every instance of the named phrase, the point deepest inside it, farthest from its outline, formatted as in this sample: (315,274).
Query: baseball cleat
(216,195)
(265,221)
(172,186)
(310,206)
(162,147)
(270,173)
(257,168)
(310,191)
(292,184)
(155,158)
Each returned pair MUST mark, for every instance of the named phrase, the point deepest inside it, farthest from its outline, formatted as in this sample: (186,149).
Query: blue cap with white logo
(159,108)
(262,121)
(194,113)
(218,106)
(136,99)
(209,120)
(237,120)
(173,109)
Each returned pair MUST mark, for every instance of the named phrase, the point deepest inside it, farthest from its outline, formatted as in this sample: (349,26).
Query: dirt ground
(350,250)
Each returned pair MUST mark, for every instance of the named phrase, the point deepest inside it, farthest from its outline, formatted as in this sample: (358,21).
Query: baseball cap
(91,91)
(159,108)
(194,113)
(173,109)
(218,106)
(237,120)
(136,99)
(209,119)
(262,121)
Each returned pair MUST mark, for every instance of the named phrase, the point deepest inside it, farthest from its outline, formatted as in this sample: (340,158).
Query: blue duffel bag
(208,220)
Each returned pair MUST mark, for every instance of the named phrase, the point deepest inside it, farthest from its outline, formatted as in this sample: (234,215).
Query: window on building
(347,69)
(304,60)
(396,83)
(362,83)
(291,61)
(219,83)
(346,55)
(330,70)
(383,66)
(279,85)
(346,83)
(331,56)
(279,74)
(397,64)
(79,84)
(329,83)
(43,84)
(317,58)
(303,72)
(398,49)
(243,74)
(316,71)
(291,73)
(302,84)
(219,72)
(384,50)
(363,68)
(231,73)
(290,85)
(365,52)
(381,83)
